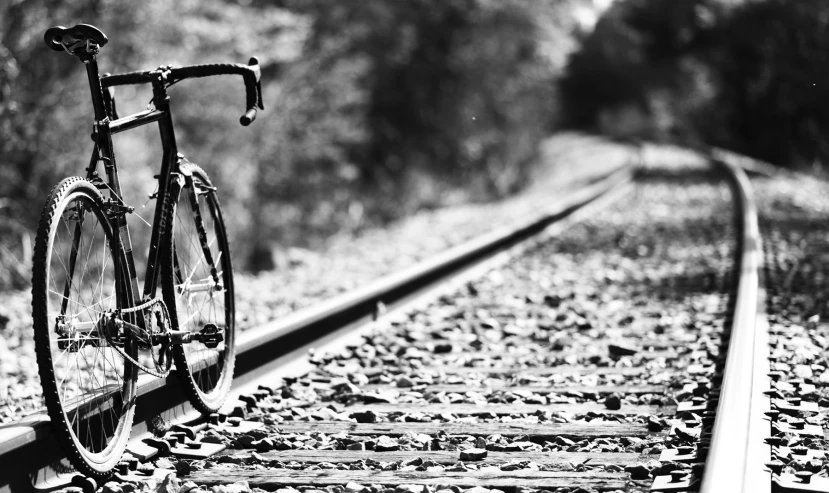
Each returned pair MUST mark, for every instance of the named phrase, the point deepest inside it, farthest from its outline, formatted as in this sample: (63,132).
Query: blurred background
(376,109)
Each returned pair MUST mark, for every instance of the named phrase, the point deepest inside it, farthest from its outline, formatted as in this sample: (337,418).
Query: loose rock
(473,454)
(613,402)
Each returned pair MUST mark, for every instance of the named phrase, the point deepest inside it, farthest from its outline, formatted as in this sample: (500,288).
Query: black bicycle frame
(103,156)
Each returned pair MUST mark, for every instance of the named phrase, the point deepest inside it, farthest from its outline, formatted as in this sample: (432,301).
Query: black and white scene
(414,246)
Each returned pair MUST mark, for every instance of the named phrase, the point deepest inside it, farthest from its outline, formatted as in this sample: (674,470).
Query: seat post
(95,86)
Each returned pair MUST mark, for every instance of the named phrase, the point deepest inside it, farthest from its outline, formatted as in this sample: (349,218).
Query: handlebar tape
(250,74)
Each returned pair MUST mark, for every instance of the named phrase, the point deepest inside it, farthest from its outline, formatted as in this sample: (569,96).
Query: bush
(395,105)
(773,70)
(637,73)
(373,108)
(750,77)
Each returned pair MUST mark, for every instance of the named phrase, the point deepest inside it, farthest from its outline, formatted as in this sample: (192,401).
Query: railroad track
(594,358)
(29,454)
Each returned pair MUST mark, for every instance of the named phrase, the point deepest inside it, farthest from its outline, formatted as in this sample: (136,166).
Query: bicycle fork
(210,335)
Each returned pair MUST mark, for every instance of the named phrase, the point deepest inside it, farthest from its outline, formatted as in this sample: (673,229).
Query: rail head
(735,461)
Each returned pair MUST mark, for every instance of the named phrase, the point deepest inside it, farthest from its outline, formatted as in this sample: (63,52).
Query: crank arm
(211,336)
(139,332)
(182,336)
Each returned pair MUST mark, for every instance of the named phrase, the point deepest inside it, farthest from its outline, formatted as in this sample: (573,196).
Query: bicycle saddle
(58,36)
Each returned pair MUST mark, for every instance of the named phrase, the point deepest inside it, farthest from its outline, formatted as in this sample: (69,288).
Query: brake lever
(259,95)
(253,63)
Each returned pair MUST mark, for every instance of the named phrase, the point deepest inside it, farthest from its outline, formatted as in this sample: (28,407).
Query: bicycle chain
(144,305)
(132,360)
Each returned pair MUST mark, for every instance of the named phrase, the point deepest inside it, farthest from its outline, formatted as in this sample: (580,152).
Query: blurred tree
(373,108)
(32,124)
(638,68)
(750,76)
(45,108)
(773,70)
(405,102)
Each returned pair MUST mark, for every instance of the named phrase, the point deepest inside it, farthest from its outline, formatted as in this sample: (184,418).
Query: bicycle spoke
(60,259)
(197,264)
(197,312)
(80,284)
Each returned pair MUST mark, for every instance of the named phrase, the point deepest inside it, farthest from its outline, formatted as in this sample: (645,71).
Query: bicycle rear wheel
(197,285)
(88,386)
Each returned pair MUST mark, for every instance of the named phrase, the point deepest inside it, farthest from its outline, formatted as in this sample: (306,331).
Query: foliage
(45,110)
(641,58)
(773,69)
(398,104)
(749,76)
(373,108)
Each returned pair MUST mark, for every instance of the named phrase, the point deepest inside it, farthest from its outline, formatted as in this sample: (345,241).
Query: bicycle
(94,329)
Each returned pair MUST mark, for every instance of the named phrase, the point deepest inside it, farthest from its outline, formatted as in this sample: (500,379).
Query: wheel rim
(94,384)
(196,304)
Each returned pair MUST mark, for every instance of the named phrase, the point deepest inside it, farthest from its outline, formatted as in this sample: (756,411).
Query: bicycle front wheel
(88,385)
(197,285)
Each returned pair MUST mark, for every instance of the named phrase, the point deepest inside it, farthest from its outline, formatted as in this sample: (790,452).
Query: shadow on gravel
(794,228)
(675,258)
(664,238)
(685,175)
(796,262)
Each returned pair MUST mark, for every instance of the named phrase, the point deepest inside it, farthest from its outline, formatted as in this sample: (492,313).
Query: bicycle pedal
(211,336)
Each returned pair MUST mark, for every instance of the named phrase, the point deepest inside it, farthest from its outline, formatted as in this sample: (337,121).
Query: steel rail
(737,455)
(30,454)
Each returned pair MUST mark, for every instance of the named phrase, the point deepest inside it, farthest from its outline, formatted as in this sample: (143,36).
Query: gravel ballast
(643,285)
(306,277)
(794,214)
